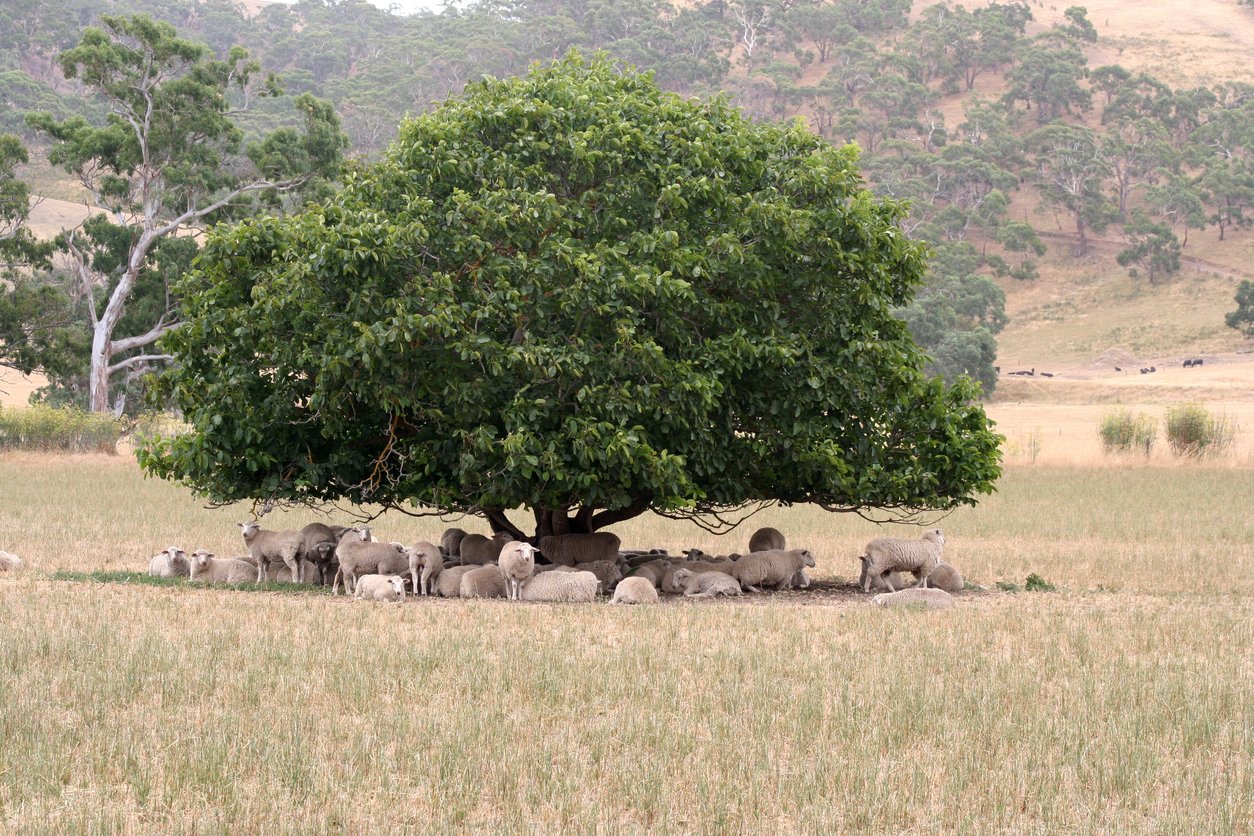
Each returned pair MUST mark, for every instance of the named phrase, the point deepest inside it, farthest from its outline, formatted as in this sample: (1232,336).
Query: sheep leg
(294,564)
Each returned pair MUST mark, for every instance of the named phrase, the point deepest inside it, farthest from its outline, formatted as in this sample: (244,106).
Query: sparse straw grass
(1118,704)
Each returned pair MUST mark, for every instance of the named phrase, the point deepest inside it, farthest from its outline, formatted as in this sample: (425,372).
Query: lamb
(561,586)
(451,542)
(424,558)
(483,582)
(9,562)
(572,549)
(893,554)
(932,599)
(635,590)
(517,563)
(766,539)
(449,582)
(477,550)
(207,568)
(171,563)
(268,547)
(776,568)
(380,588)
(669,585)
(890,582)
(945,577)
(706,584)
(362,556)
(608,572)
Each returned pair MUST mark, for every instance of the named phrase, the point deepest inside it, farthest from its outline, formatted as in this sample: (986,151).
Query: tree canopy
(574,293)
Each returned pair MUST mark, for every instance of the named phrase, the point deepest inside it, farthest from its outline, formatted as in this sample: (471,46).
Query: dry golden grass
(1119,704)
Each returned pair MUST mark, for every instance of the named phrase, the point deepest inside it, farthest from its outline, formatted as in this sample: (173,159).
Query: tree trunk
(1079,228)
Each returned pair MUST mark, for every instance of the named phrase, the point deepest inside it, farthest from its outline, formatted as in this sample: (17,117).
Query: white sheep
(483,582)
(635,590)
(268,547)
(425,563)
(776,568)
(608,572)
(706,584)
(362,556)
(572,549)
(9,562)
(932,599)
(946,577)
(477,550)
(207,568)
(449,582)
(380,588)
(696,567)
(308,569)
(561,586)
(654,570)
(517,563)
(171,563)
(894,554)
(451,541)
(890,582)
(766,540)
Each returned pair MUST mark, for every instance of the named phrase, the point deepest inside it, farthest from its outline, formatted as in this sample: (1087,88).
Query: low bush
(49,429)
(1193,431)
(1122,431)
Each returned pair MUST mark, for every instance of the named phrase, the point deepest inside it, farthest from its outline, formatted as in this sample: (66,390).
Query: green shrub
(1192,431)
(1121,431)
(1035,583)
(48,429)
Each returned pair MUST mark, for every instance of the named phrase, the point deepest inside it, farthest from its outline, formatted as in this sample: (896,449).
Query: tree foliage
(1243,317)
(574,293)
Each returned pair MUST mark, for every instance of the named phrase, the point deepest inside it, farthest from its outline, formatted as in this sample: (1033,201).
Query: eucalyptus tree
(167,162)
(576,294)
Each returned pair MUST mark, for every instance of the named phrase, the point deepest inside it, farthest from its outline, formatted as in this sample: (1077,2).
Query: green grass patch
(145,579)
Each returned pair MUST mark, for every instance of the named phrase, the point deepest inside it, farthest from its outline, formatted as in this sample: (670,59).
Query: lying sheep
(572,549)
(766,540)
(361,556)
(380,588)
(307,568)
(477,550)
(171,563)
(654,571)
(696,567)
(890,582)
(561,586)
(267,547)
(932,599)
(775,568)
(945,577)
(608,573)
(449,582)
(9,562)
(483,582)
(451,541)
(893,554)
(706,584)
(425,564)
(518,561)
(635,590)
(207,568)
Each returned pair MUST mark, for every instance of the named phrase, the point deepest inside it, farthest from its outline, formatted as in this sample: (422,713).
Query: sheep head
(249,529)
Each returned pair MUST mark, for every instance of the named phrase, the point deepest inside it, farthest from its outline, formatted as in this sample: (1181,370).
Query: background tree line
(1101,148)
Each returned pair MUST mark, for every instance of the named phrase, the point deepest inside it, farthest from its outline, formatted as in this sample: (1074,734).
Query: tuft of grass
(1194,432)
(1122,431)
(1008,586)
(1035,583)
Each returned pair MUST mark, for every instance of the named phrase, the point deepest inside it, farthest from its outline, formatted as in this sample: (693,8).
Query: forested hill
(996,121)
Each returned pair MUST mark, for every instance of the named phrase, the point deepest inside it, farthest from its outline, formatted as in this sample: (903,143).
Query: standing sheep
(9,562)
(362,556)
(318,547)
(477,550)
(572,549)
(268,547)
(424,558)
(946,577)
(635,590)
(171,563)
(207,568)
(890,582)
(578,587)
(449,582)
(932,599)
(451,542)
(518,561)
(380,588)
(775,568)
(766,540)
(483,582)
(893,554)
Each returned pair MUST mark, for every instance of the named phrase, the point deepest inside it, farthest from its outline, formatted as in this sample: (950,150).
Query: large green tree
(574,293)
(167,161)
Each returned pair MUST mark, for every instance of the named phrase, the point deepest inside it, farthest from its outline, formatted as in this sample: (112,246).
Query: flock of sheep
(564,568)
